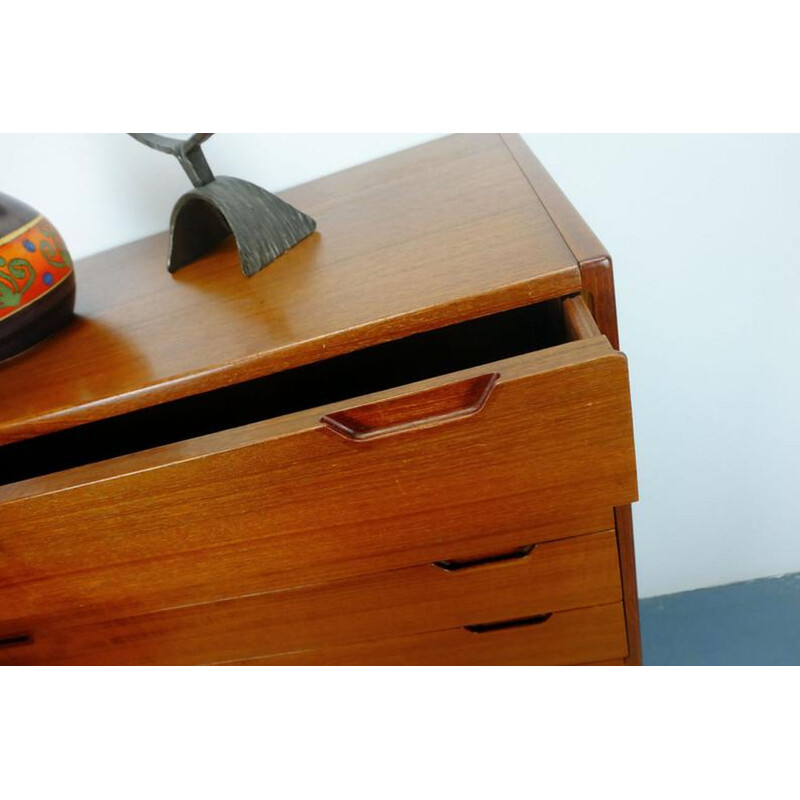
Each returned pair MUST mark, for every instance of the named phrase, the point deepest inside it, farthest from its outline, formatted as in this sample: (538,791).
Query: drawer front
(568,637)
(486,588)
(512,445)
(245,569)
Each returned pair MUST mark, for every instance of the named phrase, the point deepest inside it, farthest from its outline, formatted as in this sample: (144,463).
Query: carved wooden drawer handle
(405,413)
(520,622)
(453,565)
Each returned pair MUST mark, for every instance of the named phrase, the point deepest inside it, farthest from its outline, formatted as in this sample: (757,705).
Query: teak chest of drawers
(407,441)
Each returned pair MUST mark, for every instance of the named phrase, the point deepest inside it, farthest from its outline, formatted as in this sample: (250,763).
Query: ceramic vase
(37,282)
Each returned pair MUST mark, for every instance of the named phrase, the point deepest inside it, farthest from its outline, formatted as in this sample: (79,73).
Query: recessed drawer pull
(452,565)
(407,412)
(520,622)
(15,640)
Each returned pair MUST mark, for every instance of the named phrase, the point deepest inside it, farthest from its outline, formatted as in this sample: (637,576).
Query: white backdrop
(704,231)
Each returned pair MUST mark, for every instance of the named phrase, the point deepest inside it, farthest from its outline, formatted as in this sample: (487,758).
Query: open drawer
(536,439)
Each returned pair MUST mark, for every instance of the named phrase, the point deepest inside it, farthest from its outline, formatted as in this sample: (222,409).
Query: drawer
(247,568)
(532,442)
(526,580)
(568,637)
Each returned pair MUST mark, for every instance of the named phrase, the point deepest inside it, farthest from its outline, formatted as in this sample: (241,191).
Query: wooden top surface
(430,236)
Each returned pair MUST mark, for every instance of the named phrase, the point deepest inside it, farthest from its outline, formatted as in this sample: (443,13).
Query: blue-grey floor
(752,623)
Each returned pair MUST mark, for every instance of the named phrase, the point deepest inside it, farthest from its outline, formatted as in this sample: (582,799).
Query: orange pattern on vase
(33,261)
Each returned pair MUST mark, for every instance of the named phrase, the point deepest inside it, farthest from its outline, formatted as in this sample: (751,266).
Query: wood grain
(309,531)
(219,572)
(568,637)
(554,576)
(405,413)
(579,322)
(434,235)
(627,563)
(597,275)
(553,440)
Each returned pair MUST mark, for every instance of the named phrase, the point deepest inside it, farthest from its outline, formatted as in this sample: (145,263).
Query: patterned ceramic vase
(37,283)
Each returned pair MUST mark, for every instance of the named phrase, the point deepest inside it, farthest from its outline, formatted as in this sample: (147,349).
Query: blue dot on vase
(28,245)
(48,278)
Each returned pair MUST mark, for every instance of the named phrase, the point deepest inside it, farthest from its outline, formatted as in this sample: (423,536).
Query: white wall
(704,231)
(705,235)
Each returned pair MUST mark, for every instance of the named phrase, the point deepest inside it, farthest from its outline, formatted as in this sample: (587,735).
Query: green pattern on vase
(12,275)
(54,256)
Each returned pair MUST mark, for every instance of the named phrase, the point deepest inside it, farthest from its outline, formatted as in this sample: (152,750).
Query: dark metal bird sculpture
(263,225)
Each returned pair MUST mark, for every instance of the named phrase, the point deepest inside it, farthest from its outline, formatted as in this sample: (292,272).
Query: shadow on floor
(752,623)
